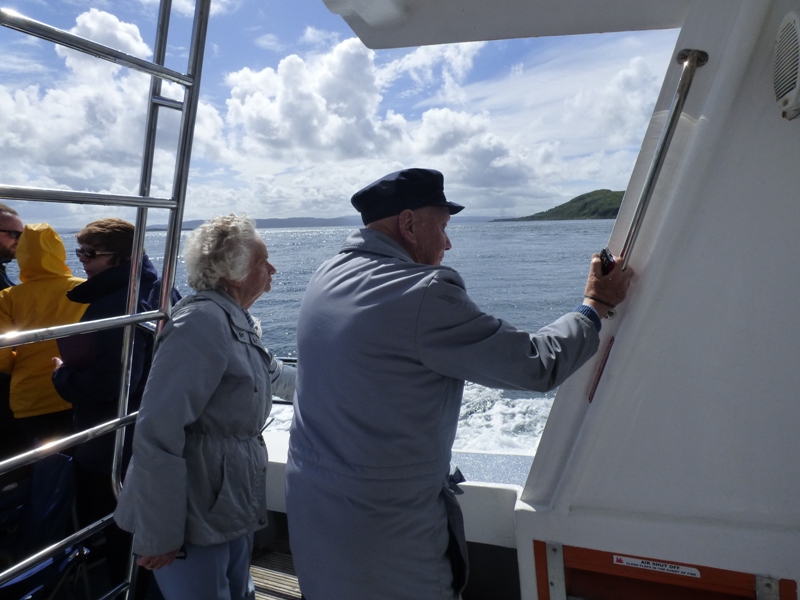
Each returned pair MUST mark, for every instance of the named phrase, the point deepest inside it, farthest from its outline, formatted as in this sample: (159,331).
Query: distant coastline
(599,204)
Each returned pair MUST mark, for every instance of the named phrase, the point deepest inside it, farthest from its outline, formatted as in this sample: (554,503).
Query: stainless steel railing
(32,456)
(13,20)
(20,338)
(188,107)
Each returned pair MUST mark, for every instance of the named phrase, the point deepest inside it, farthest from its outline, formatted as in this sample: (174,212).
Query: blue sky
(296,114)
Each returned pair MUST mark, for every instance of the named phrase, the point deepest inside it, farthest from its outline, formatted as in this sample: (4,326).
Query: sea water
(526,273)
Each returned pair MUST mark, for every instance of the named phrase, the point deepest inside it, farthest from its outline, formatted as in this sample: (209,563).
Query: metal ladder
(175,204)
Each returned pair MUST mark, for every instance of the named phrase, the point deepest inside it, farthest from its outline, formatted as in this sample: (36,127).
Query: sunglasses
(90,254)
(11,233)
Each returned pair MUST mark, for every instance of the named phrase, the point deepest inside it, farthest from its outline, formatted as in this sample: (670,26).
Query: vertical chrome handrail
(145,179)
(191,100)
(691,60)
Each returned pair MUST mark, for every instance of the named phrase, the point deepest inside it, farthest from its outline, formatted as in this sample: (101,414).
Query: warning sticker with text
(654,565)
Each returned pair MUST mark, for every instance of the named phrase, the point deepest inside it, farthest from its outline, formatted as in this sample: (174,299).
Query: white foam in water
(496,421)
(491,421)
(280,417)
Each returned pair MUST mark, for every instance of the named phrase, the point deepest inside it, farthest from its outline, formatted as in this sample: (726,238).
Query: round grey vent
(787,63)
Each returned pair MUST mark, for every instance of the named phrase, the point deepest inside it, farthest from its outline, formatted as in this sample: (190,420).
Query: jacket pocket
(230,503)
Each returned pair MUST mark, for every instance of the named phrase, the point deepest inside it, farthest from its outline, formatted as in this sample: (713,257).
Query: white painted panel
(278,449)
(688,452)
(489,512)
(402,23)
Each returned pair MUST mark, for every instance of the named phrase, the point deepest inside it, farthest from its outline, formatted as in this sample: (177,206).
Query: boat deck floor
(272,569)
(273,573)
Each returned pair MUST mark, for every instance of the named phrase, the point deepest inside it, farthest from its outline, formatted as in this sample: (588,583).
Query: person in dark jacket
(89,376)
(11,439)
(10,232)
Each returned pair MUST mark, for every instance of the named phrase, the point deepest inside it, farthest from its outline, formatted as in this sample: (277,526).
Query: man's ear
(405,223)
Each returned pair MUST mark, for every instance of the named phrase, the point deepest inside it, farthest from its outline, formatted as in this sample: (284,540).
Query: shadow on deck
(493,571)
(272,568)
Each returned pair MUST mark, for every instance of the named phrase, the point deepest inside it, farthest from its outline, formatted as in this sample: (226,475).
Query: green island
(599,204)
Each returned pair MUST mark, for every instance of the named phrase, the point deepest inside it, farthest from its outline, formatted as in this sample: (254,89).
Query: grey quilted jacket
(198,471)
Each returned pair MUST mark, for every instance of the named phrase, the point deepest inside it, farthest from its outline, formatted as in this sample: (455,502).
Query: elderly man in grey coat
(386,337)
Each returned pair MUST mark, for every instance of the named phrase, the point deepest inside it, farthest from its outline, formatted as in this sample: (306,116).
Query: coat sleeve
(188,366)
(457,339)
(283,378)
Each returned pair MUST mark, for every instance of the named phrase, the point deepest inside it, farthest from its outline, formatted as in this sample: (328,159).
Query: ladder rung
(15,192)
(55,549)
(167,102)
(14,20)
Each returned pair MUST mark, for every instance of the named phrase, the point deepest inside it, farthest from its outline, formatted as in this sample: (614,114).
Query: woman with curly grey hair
(196,486)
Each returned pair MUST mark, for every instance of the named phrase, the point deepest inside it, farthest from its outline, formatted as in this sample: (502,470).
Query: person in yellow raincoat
(38,301)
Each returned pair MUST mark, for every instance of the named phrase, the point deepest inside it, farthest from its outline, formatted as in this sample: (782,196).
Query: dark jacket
(10,439)
(90,376)
(5,281)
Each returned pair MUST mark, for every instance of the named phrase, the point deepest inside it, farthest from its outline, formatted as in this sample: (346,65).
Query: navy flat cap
(393,193)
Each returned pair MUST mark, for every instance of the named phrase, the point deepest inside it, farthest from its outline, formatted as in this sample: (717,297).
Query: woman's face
(95,260)
(259,276)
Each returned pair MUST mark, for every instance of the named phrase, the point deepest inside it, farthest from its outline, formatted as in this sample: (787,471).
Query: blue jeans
(217,572)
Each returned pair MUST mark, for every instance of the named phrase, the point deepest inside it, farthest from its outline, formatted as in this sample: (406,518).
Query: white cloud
(269,41)
(620,109)
(12,63)
(319,38)
(429,65)
(106,29)
(84,131)
(534,136)
(322,107)
(300,137)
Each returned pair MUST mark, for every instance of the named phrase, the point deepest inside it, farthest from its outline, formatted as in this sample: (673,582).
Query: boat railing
(190,81)
(37,454)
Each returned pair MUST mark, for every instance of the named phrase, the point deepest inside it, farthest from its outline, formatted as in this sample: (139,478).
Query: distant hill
(599,204)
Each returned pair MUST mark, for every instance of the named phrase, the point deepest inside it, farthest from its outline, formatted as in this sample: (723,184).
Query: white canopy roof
(400,23)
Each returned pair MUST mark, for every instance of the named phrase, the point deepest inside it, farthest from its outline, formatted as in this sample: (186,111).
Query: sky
(296,114)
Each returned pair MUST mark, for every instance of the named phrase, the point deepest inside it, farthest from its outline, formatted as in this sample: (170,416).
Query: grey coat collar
(224,300)
(375,242)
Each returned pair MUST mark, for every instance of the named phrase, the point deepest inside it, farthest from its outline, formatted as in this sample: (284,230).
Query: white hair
(219,249)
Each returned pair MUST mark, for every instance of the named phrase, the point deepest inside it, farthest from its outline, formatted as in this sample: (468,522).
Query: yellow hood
(41,254)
